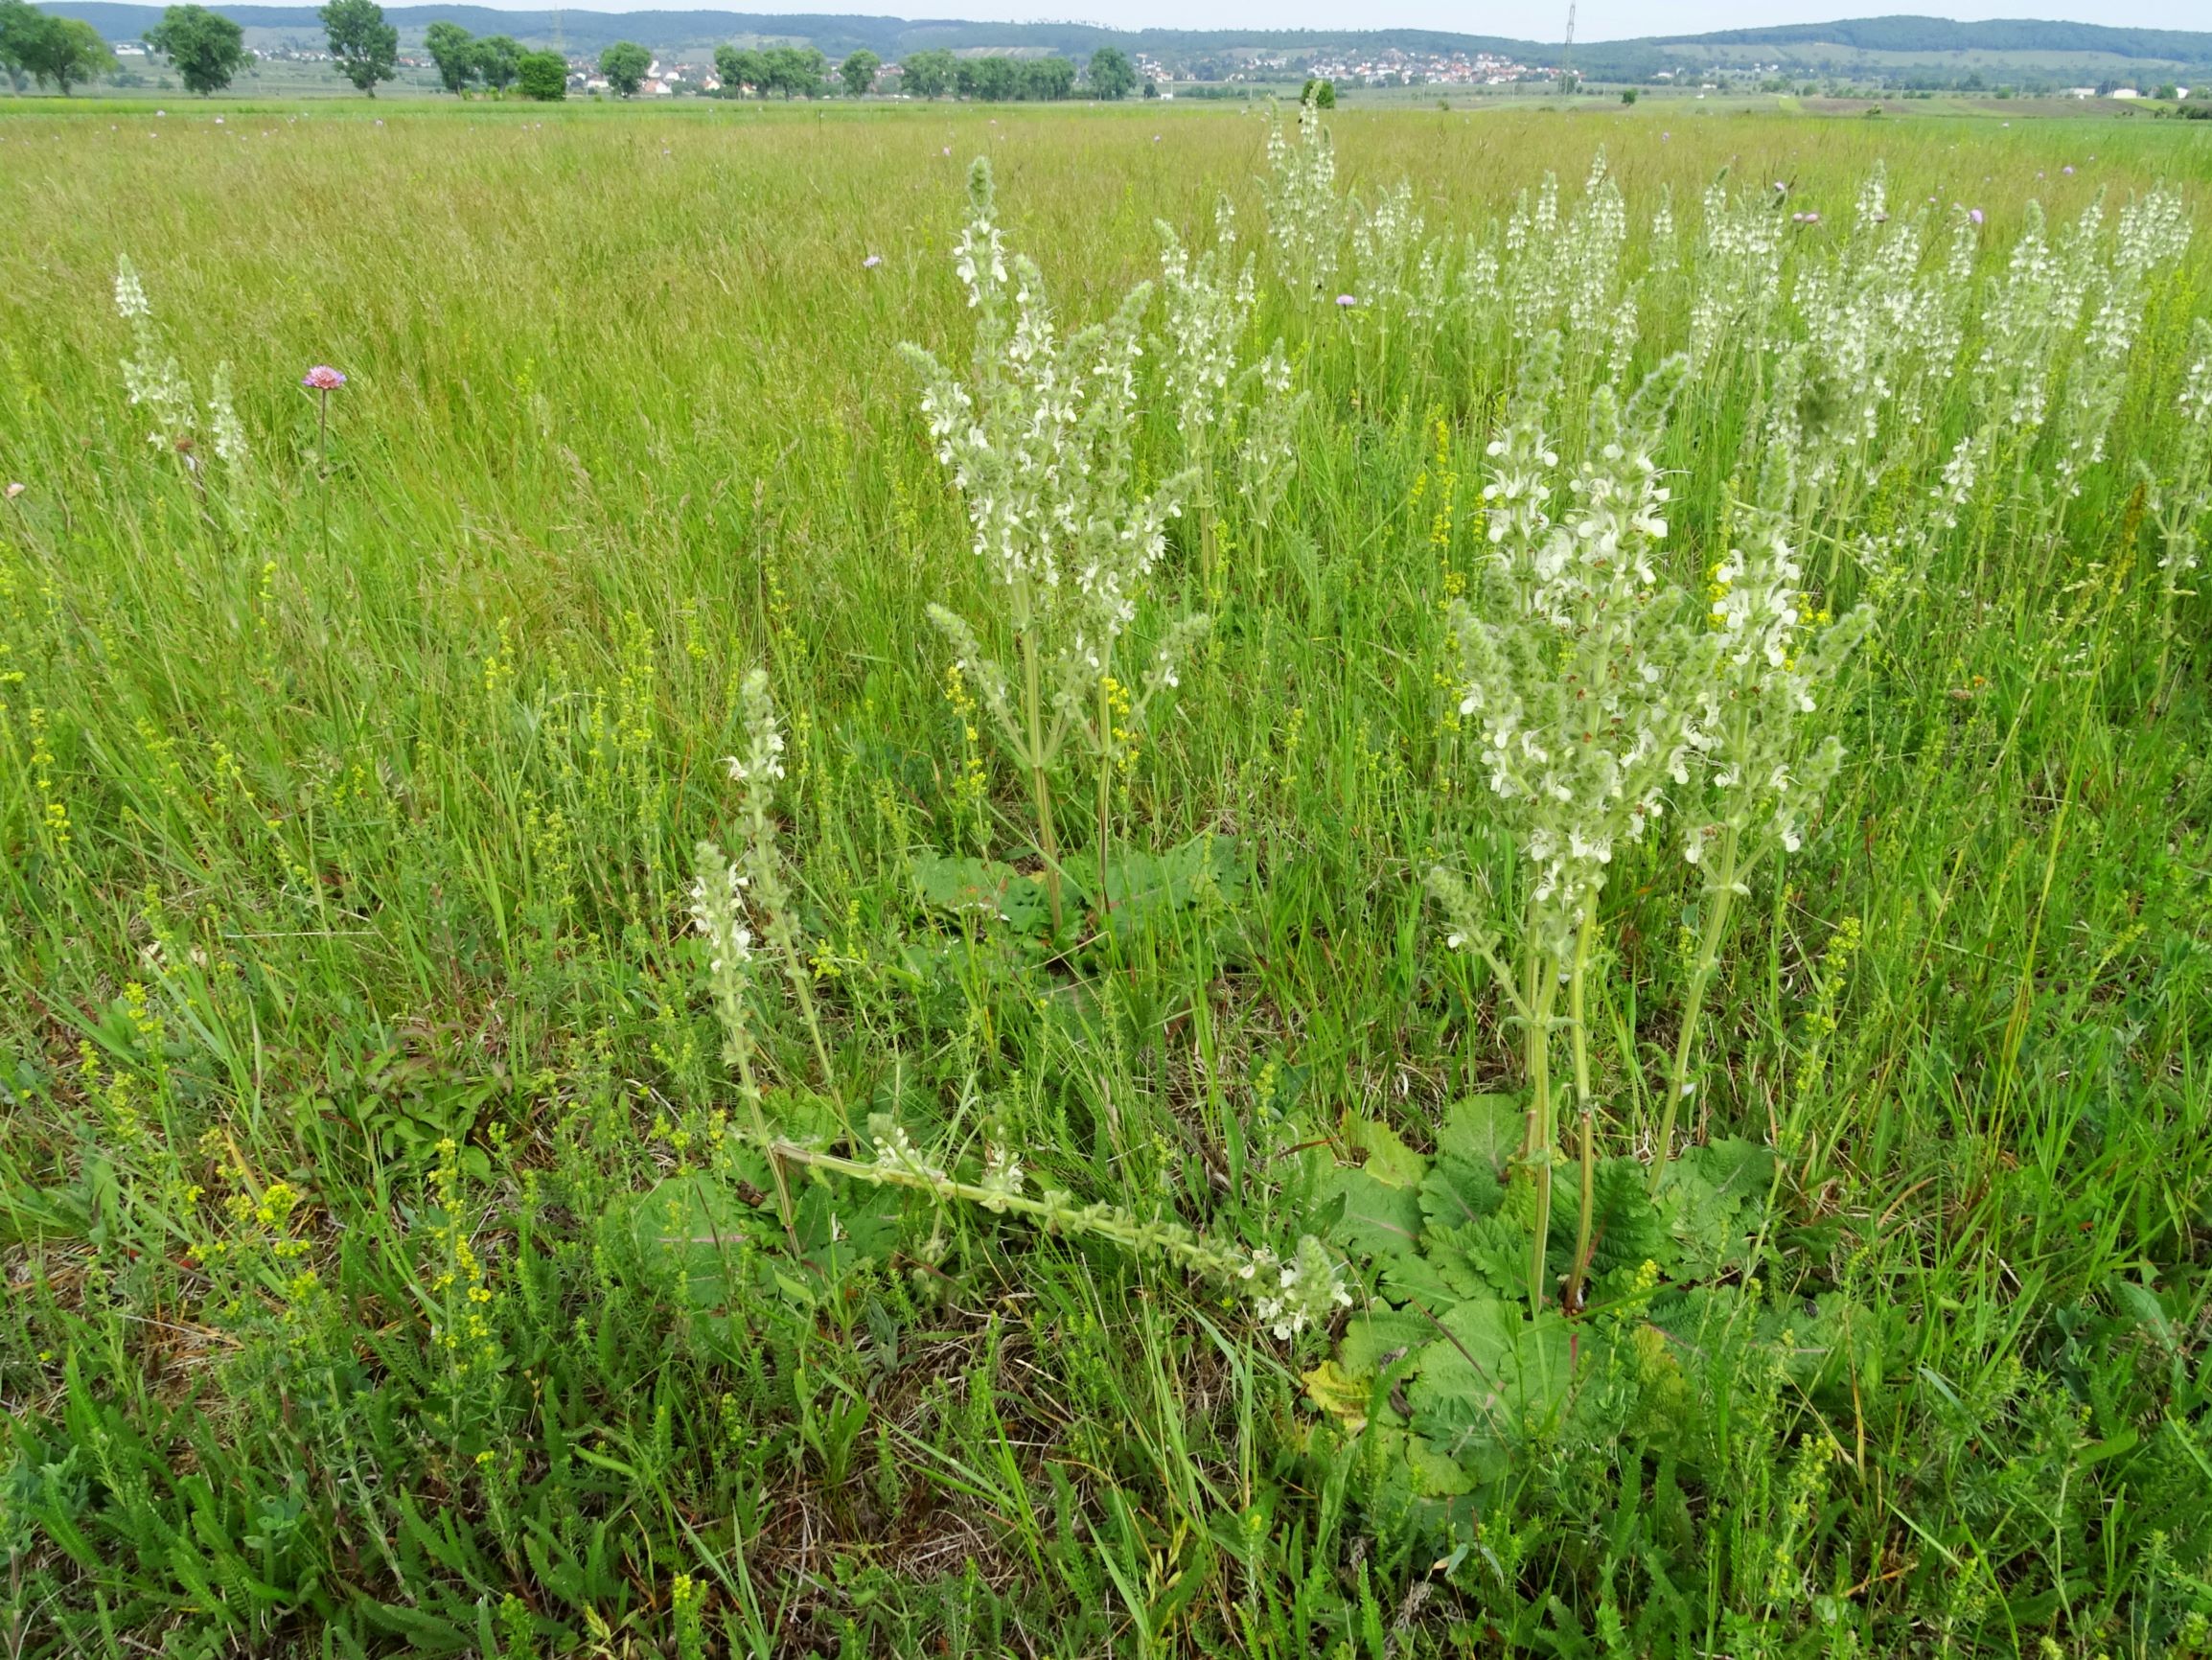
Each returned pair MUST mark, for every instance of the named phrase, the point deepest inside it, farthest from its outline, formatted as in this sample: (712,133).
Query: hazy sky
(1542,20)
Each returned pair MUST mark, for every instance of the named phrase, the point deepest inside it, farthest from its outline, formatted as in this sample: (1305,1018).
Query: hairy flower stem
(1105,782)
(323,463)
(1040,785)
(748,1088)
(1055,1212)
(1721,894)
(1579,1027)
(1540,986)
(1202,464)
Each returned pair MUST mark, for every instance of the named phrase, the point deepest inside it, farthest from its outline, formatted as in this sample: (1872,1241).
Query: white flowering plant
(1756,777)
(177,420)
(1040,441)
(1573,676)
(1226,408)
(1306,217)
(1289,1295)
(2181,506)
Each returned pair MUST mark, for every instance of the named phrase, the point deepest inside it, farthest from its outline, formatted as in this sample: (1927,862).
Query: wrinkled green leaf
(982,890)
(1389,1160)
(1378,1219)
(1485,1130)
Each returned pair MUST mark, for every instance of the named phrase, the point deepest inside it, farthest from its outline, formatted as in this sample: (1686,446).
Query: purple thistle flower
(322,378)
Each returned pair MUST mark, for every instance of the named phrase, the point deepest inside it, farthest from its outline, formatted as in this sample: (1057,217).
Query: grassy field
(392,1196)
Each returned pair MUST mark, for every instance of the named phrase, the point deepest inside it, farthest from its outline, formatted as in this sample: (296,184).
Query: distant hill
(1898,50)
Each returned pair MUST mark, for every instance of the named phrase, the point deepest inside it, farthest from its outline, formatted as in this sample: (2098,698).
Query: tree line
(60,51)
(207,50)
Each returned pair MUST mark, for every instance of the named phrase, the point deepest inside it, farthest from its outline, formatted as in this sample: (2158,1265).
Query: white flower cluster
(1307,1290)
(1267,447)
(762,762)
(1880,336)
(1761,676)
(718,914)
(1003,1176)
(151,373)
(1387,249)
(1206,308)
(1528,268)
(1041,447)
(157,385)
(1738,272)
(1590,258)
(1040,442)
(2153,234)
(2181,504)
(1304,216)
(1225,408)
(2196,399)
(1571,670)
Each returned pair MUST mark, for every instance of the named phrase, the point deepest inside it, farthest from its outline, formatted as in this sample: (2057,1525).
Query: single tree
(1111,73)
(625,65)
(1151,87)
(542,75)
(455,51)
(1321,92)
(796,70)
(499,60)
(739,67)
(205,47)
(62,50)
(929,74)
(366,47)
(16,20)
(859,72)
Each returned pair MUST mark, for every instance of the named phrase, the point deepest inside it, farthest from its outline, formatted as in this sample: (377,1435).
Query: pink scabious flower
(14,491)
(1347,299)
(2067,170)
(322,378)
(1975,214)
(871,261)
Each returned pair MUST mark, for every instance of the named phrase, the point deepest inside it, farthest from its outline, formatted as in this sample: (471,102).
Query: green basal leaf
(1378,1219)
(1627,1230)
(1460,1190)
(1485,1130)
(982,890)
(1500,1376)
(1714,1194)
(1486,1257)
(1389,1160)
(1143,887)
(702,1225)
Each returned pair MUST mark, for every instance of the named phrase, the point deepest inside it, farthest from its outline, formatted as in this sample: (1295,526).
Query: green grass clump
(394,1265)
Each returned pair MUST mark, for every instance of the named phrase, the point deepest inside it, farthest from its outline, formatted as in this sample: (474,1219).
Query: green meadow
(418,1239)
